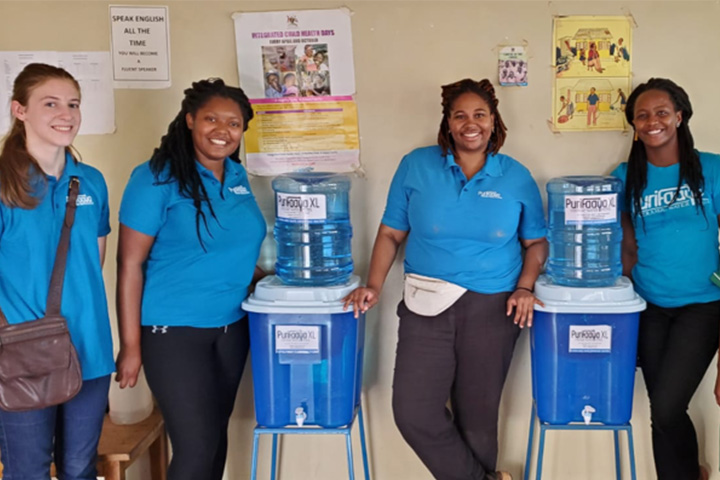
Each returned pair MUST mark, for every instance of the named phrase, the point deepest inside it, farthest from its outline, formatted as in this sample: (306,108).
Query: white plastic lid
(273,296)
(618,298)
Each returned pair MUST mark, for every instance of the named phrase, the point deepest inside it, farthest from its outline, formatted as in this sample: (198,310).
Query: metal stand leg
(253,468)
(541,450)
(363,445)
(616,438)
(531,434)
(631,450)
(273,468)
(351,468)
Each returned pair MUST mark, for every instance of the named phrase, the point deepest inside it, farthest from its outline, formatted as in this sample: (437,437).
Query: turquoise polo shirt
(677,245)
(465,231)
(28,244)
(186,285)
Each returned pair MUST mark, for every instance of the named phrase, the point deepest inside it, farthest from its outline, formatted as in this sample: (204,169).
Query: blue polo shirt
(28,243)
(465,231)
(677,245)
(184,284)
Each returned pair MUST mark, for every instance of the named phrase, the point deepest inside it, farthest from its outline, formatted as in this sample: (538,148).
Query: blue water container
(584,231)
(312,228)
(307,354)
(583,348)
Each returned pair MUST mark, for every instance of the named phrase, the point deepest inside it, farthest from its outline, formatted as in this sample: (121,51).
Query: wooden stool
(121,445)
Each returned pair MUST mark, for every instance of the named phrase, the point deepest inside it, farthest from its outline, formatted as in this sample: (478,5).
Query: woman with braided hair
(466,211)
(190,235)
(670,250)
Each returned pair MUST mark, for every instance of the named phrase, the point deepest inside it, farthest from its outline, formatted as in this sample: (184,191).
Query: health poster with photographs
(297,68)
(592,70)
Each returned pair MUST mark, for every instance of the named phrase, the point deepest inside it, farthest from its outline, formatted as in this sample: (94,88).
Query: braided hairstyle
(484,90)
(176,152)
(690,167)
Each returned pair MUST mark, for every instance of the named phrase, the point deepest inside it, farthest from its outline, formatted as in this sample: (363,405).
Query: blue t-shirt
(28,244)
(677,245)
(465,231)
(184,284)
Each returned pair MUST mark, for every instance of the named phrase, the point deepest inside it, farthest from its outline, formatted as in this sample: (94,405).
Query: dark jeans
(194,374)
(675,347)
(462,354)
(26,438)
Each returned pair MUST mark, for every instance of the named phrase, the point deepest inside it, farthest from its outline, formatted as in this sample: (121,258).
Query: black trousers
(675,347)
(462,355)
(194,374)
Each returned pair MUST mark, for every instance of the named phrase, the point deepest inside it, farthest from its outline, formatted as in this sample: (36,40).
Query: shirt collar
(492,167)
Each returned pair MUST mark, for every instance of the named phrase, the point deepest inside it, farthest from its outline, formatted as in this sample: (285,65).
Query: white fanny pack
(429,296)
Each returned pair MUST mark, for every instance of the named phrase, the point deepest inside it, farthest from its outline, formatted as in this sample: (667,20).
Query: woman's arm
(387,242)
(629,245)
(522,299)
(133,249)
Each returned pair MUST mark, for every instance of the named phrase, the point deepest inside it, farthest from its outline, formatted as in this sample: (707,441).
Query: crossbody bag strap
(58,274)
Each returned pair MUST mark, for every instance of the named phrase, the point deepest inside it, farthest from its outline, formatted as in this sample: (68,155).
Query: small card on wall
(513,66)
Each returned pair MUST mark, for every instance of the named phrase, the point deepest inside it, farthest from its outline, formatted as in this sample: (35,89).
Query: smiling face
(217,129)
(471,122)
(655,119)
(52,114)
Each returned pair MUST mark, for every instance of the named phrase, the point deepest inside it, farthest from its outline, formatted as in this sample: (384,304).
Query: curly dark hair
(176,152)
(690,167)
(485,90)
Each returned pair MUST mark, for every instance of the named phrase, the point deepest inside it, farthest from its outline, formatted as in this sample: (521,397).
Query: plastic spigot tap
(300,416)
(587,414)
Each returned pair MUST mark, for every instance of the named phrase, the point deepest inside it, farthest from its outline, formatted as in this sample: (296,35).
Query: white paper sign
(140,38)
(90,69)
(590,339)
(301,207)
(590,209)
(297,339)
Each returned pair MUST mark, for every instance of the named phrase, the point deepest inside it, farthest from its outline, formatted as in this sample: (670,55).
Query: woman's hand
(362,300)
(523,301)
(128,365)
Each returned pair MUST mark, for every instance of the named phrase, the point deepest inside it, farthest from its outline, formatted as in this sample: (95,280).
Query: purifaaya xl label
(590,209)
(301,207)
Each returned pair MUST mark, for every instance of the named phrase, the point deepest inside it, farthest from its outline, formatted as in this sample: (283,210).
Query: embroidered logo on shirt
(83,199)
(239,190)
(489,194)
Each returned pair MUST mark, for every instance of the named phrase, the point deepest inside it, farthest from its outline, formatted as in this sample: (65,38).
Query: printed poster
(297,68)
(513,66)
(314,134)
(592,69)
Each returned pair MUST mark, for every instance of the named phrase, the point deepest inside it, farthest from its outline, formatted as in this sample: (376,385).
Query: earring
(678,125)
(636,137)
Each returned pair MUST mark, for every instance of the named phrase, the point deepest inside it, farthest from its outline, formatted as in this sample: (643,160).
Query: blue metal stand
(576,426)
(346,430)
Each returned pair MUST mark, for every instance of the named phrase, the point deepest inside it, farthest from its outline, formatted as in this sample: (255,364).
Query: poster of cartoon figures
(592,69)
(512,67)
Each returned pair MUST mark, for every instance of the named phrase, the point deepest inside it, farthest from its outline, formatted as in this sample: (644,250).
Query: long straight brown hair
(18,168)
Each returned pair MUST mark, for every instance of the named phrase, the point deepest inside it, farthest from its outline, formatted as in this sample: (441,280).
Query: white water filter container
(130,405)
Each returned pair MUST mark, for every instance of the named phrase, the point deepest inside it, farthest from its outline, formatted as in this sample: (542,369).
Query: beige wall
(403,52)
